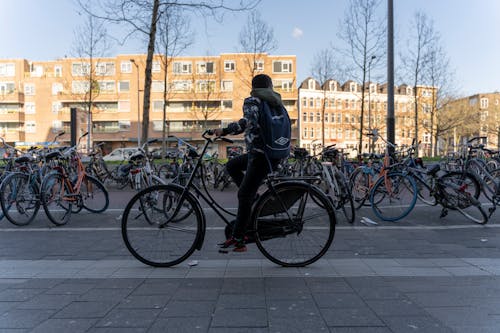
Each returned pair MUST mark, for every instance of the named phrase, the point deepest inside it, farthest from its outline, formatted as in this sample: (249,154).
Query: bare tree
(324,68)
(365,36)
(142,17)
(256,37)
(420,41)
(91,42)
(174,36)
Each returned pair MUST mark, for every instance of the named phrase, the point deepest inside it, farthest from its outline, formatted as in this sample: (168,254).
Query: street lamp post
(138,104)
(370,103)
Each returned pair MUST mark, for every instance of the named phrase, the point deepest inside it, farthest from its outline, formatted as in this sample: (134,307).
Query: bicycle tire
(346,201)
(398,201)
(359,183)
(424,192)
(475,213)
(154,239)
(53,191)
(460,177)
(95,197)
(289,244)
(19,198)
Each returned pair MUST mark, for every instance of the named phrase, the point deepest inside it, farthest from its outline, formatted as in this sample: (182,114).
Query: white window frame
(57,87)
(157,86)
(119,83)
(30,126)
(226,85)
(105,69)
(153,102)
(8,70)
(156,66)
(7,88)
(259,65)
(201,67)
(126,67)
(182,67)
(123,125)
(484,103)
(229,66)
(285,66)
(29,89)
(56,107)
(201,84)
(107,86)
(181,85)
(29,108)
(80,68)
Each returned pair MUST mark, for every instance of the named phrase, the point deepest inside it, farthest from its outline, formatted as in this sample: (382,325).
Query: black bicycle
(293,221)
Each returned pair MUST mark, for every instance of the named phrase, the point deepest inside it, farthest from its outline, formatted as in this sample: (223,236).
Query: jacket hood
(268,95)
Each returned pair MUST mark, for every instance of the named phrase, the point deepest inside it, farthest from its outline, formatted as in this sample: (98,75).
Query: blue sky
(470,32)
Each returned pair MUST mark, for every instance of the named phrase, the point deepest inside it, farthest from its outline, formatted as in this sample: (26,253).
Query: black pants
(248,171)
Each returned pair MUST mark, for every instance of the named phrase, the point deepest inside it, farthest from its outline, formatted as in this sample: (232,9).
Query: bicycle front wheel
(95,197)
(294,224)
(393,197)
(19,198)
(56,198)
(152,232)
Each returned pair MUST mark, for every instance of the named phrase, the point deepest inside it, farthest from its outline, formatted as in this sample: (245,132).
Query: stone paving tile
(239,330)
(180,325)
(117,330)
(144,302)
(22,318)
(64,325)
(189,309)
(416,324)
(297,325)
(160,287)
(241,301)
(196,294)
(243,286)
(373,329)
(338,300)
(292,308)
(245,318)
(70,288)
(45,301)
(129,318)
(395,307)
(105,294)
(19,295)
(362,316)
(85,310)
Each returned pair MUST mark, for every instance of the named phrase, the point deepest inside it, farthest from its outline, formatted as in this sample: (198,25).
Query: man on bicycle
(249,170)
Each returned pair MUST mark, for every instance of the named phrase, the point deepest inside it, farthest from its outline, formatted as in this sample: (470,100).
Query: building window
(157,106)
(283,85)
(318,117)
(226,85)
(226,105)
(311,85)
(259,66)
(157,86)
(205,85)
(123,86)
(304,133)
(182,67)
(36,71)
(126,67)
(311,132)
(280,66)
(304,116)
(229,66)
(156,67)
(311,102)
(352,87)
(29,108)
(80,69)
(57,88)
(106,87)
(29,89)
(484,103)
(30,126)
(205,67)
(105,69)
(58,71)
(181,85)
(7,70)
(311,117)
(326,118)
(56,107)
(80,87)
(7,88)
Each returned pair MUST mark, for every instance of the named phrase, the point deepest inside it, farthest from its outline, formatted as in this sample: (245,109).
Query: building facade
(330,114)
(475,115)
(200,93)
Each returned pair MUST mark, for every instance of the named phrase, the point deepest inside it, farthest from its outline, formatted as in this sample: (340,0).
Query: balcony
(13,97)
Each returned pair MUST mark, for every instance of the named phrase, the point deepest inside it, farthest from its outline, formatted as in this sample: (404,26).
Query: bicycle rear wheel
(19,198)
(360,187)
(393,197)
(346,201)
(56,198)
(94,195)
(294,224)
(151,231)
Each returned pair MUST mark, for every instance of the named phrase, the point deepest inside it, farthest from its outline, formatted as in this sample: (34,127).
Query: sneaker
(238,245)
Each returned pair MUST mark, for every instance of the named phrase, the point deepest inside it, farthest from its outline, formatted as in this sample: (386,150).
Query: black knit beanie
(262,81)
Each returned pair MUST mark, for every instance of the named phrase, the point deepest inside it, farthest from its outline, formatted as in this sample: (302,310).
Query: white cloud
(297,33)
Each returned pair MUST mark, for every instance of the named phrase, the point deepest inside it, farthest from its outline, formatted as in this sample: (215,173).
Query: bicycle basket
(279,205)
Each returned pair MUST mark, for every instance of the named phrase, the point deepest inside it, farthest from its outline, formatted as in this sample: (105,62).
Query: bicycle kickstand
(444,212)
